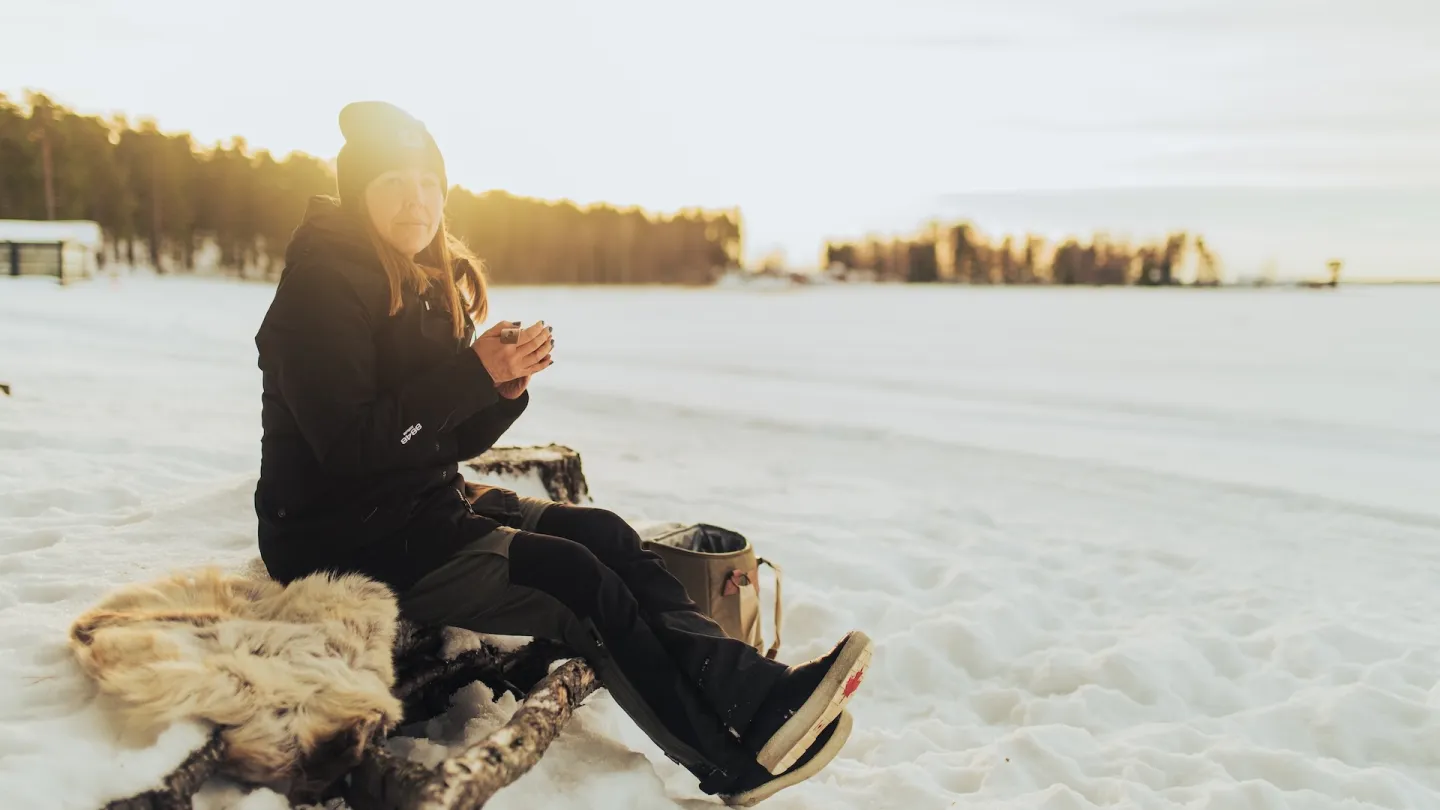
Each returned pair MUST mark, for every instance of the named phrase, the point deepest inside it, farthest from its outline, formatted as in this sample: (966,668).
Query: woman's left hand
(512,389)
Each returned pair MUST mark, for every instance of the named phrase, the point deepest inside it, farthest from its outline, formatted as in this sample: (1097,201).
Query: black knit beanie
(380,137)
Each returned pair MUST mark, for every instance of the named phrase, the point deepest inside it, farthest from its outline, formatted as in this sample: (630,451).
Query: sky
(818,119)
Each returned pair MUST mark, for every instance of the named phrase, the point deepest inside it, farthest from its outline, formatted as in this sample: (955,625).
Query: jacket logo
(410,433)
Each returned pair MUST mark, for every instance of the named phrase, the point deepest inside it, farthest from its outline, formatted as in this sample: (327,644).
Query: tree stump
(552,471)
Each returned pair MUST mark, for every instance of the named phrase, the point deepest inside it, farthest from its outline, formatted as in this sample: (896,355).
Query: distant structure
(1334,266)
(67,250)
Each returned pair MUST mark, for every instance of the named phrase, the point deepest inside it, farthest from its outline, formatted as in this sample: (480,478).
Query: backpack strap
(775,647)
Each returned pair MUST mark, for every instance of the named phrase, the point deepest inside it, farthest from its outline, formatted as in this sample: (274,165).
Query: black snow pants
(579,576)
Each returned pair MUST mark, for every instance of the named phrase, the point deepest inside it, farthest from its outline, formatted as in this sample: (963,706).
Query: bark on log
(427,693)
(426,682)
(557,467)
(181,784)
(416,645)
(525,668)
(465,782)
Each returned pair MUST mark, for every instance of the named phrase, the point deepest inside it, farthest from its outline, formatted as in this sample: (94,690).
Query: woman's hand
(507,362)
(513,388)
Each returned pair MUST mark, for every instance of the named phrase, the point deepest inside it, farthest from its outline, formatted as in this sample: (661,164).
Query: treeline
(164,201)
(960,253)
(530,241)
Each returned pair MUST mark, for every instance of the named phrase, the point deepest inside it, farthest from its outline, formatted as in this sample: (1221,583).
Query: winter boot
(805,701)
(758,784)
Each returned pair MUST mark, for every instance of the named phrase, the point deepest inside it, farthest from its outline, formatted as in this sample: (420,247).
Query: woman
(375,387)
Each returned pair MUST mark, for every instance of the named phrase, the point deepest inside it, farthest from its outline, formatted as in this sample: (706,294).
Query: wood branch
(427,693)
(426,688)
(526,667)
(417,651)
(384,781)
(182,783)
(468,780)
(417,645)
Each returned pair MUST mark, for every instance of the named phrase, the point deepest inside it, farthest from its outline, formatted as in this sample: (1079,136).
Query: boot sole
(826,703)
(816,764)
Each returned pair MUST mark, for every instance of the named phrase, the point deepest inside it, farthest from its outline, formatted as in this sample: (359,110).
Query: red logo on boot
(854,683)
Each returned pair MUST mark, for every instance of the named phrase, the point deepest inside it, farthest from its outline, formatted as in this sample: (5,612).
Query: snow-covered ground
(1119,548)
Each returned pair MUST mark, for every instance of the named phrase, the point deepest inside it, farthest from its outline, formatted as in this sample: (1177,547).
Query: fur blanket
(297,677)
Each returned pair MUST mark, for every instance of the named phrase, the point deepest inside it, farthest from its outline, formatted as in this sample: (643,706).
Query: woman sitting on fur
(375,387)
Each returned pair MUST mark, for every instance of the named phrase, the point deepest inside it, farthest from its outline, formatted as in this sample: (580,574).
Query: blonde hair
(445,262)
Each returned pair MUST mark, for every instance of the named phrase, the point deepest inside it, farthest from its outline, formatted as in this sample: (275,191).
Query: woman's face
(405,207)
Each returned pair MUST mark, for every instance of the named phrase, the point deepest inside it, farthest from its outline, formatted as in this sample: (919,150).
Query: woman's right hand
(510,361)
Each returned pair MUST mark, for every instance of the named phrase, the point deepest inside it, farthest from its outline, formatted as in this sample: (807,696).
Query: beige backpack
(721,574)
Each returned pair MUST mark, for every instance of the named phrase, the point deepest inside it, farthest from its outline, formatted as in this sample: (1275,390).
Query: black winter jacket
(365,416)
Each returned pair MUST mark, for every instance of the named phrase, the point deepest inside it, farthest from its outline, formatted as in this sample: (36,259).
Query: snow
(1118,548)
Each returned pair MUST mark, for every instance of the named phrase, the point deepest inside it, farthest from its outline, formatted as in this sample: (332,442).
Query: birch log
(466,781)
(181,784)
